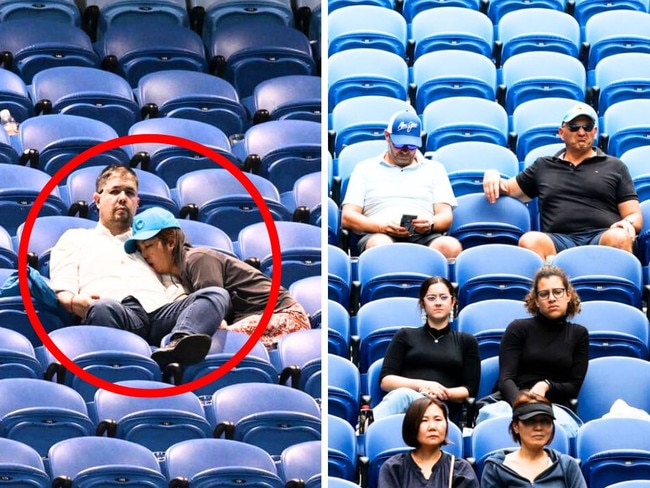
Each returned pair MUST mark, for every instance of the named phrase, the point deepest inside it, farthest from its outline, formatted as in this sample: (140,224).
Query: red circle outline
(219,160)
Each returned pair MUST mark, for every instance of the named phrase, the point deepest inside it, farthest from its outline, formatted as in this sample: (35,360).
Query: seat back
(343,389)
(15,96)
(307,293)
(499,8)
(17,356)
(301,463)
(22,465)
(626,124)
(288,97)
(341,449)
(300,359)
(200,234)
(8,256)
(338,329)
(622,76)
(339,276)
(412,8)
(585,9)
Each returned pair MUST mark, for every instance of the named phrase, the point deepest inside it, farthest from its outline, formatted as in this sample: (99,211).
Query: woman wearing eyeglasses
(533,463)
(433,360)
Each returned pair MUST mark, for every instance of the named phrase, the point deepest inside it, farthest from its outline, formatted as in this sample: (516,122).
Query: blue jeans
(200,312)
(396,401)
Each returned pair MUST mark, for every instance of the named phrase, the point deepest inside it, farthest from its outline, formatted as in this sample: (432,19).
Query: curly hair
(573,306)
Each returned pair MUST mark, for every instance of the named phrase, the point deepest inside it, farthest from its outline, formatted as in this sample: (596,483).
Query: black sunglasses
(588,127)
(410,147)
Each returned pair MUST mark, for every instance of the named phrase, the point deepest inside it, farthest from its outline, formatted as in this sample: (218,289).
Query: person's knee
(538,242)
(450,247)
(378,240)
(618,238)
(218,296)
(104,307)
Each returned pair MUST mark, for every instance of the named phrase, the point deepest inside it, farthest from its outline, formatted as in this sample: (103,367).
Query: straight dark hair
(413,419)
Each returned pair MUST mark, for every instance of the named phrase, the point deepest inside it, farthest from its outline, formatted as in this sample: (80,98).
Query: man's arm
(631,217)
(494,186)
(352,218)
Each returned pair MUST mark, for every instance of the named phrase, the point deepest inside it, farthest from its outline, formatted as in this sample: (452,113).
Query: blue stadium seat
(626,125)
(299,244)
(306,199)
(48,143)
(603,273)
(220,462)
(169,161)
(536,122)
(17,356)
(537,29)
(366,26)
(611,378)
(281,151)
(615,329)
(307,293)
(412,8)
(637,164)
(377,322)
(26,402)
(59,11)
(287,97)
(8,256)
(256,367)
(495,271)
(337,4)
(350,156)
(453,73)
(135,49)
(152,191)
(107,353)
(251,51)
(616,31)
(477,221)
(465,170)
(365,71)
(19,188)
(272,417)
(100,461)
(487,320)
(200,234)
(32,45)
(341,449)
(21,465)
(458,119)
(156,423)
(612,450)
(344,389)
(15,97)
(452,28)
(100,15)
(372,384)
(621,77)
(489,376)
(398,269)
(299,355)
(333,223)
(215,196)
(192,95)
(363,118)
(497,9)
(334,482)
(630,484)
(338,329)
(46,231)
(87,92)
(583,10)
(209,16)
(301,464)
(540,74)
(545,150)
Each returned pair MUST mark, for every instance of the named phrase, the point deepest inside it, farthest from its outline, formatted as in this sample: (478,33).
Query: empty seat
(452,28)
(338,329)
(15,97)
(341,449)
(497,9)
(287,97)
(336,4)
(87,92)
(8,256)
(621,77)
(192,95)
(306,198)
(307,293)
(251,51)
(301,464)
(339,276)
(17,356)
(583,10)
(412,8)
(135,49)
(626,125)
(343,390)
(299,355)
(21,465)
(61,11)
(32,45)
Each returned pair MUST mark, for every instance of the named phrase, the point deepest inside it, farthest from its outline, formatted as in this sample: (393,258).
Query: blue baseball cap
(577,111)
(405,128)
(147,224)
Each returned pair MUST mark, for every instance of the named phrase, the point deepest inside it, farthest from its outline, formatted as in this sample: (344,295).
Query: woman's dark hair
(413,419)
(175,236)
(573,306)
(524,398)
(432,281)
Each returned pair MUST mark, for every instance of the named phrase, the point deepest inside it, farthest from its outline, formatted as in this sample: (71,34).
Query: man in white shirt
(400,183)
(95,279)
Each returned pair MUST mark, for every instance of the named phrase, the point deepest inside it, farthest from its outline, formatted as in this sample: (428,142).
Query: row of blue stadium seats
(104,461)
(98,94)
(610,450)
(245,53)
(534,123)
(459,28)
(481,272)
(495,10)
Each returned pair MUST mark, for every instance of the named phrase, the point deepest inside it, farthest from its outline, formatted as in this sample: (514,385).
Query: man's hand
(421,225)
(394,230)
(491,185)
(625,225)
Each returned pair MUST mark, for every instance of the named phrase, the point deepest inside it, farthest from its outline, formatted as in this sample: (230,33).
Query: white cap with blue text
(405,128)
(577,111)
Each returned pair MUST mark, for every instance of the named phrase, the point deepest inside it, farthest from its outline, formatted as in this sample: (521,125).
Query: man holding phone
(400,196)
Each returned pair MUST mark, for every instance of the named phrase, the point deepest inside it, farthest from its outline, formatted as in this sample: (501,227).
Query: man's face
(402,156)
(575,134)
(118,201)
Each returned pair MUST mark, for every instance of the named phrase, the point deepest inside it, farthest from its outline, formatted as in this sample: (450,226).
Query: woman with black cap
(533,463)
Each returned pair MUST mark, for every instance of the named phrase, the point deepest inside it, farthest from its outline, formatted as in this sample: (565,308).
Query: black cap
(529,410)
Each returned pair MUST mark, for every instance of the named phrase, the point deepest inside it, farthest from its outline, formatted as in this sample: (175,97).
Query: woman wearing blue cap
(159,238)
(533,463)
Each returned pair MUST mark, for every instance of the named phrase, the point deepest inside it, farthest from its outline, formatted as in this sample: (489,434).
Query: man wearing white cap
(400,196)
(586,197)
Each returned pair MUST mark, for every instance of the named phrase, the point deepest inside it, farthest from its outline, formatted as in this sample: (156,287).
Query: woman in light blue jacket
(533,463)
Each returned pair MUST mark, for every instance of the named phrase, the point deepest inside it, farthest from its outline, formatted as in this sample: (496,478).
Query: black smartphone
(407,222)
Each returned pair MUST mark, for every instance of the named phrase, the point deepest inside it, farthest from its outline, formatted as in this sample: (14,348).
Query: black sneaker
(184,350)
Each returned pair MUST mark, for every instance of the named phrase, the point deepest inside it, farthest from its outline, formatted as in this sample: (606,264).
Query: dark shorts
(566,241)
(424,239)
